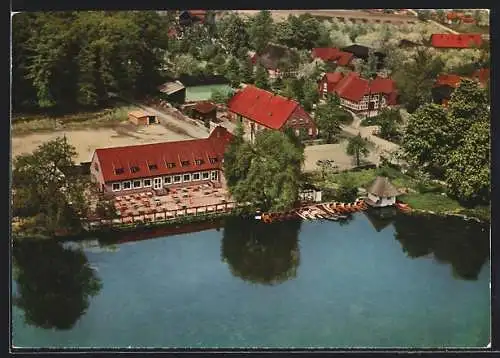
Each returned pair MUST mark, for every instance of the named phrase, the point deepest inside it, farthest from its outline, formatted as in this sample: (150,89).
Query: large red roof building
(446,83)
(359,94)
(158,166)
(258,109)
(456,40)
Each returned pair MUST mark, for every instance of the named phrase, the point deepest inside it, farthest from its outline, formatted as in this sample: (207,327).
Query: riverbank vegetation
(265,173)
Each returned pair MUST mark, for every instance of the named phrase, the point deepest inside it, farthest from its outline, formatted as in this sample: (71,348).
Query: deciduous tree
(357,147)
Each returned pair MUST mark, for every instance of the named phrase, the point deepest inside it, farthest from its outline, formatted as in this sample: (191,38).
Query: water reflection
(261,253)
(381,218)
(54,283)
(464,245)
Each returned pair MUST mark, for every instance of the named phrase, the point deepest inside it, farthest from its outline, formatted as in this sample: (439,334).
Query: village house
(258,109)
(205,111)
(160,166)
(446,83)
(189,17)
(332,55)
(459,18)
(381,193)
(173,91)
(358,94)
(277,60)
(363,52)
(456,40)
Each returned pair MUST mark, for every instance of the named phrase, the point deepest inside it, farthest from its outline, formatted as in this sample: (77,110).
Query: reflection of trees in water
(54,283)
(261,253)
(465,245)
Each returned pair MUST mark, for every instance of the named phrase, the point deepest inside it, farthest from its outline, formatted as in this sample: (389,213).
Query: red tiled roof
(332,79)
(353,88)
(332,54)
(261,106)
(482,75)
(456,40)
(448,80)
(161,154)
(204,107)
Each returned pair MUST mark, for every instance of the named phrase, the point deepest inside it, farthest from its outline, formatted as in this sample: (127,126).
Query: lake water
(372,282)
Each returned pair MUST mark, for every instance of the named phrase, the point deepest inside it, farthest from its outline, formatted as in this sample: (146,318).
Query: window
(214,175)
(213,160)
(170,165)
(152,167)
(118,171)
(147,183)
(167,180)
(196,176)
(96,167)
(294,121)
(185,163)
(297,132)
(116,186)
(310,131)
(301,120)
(137,184)
(177,178)
(127,185)
(205,175)
(134,169)
(186,177)
(199,161)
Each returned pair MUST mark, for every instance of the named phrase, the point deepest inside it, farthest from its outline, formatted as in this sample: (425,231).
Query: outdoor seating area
(190,200)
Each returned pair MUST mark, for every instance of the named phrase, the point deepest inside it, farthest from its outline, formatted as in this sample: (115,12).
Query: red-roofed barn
(332,54)
(144,167)
(456,40)
(258,109)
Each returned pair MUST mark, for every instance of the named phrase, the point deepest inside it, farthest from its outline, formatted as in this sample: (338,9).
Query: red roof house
(355,92)
(329,81)
(332,54)
(157,165)
(456,40)
(262,109)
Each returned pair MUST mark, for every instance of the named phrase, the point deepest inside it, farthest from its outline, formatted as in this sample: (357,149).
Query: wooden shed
(174,92)
(206,111)
(142,118)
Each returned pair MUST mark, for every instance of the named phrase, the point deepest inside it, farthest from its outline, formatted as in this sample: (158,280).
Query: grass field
(202,93)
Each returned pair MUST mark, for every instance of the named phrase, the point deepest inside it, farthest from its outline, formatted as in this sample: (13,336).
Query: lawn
(202,93)
(111,115)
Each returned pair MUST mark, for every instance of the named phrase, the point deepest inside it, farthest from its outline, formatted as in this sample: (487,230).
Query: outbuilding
(173,91)
(142,118)
(382,193)
(310,193)
(206,111)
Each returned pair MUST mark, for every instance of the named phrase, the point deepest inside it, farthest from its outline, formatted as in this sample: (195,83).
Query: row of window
(159,182)
(153,167)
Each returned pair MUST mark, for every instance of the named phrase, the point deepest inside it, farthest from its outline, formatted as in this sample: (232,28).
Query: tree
(415,78)
(43,182)
(262,77)
(423,15)
(272,153)
(357,147)
(185,64)
(468,104)
(369,68)
(246,71)
(234,33)
(426,142)
(221,96)
(389,121)
(468,167)
(260,30)
(310,94)
(54,283)
(233,72)
(329,116)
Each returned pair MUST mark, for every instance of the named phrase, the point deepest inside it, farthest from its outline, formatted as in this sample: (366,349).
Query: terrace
(192,200)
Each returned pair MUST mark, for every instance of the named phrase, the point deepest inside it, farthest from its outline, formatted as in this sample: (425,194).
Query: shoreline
(195,219)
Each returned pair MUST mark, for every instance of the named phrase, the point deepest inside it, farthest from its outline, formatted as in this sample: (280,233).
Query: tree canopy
(357,147)
(69,59)
(272,153)
(329,116)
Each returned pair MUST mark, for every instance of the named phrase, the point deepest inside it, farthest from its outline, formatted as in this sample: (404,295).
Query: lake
(374,281)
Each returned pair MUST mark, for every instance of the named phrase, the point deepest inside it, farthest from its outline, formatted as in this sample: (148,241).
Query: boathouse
(160,166)
(310,193)
(382,193)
